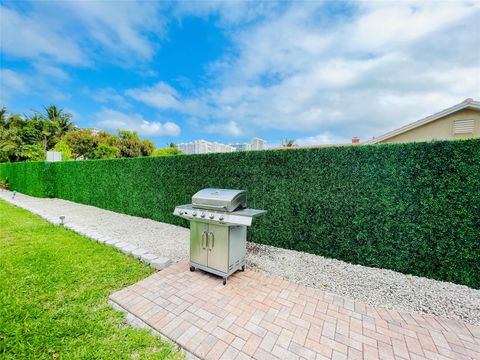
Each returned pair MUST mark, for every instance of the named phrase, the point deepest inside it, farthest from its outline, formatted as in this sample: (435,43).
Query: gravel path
(373,286)
(158,238)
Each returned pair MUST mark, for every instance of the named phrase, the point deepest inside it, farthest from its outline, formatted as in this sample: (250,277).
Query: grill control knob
(202,214)
(194,213)
(212,216)
(221,217)
(180,212)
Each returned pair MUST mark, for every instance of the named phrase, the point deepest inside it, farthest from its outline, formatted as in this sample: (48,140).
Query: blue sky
(318,72)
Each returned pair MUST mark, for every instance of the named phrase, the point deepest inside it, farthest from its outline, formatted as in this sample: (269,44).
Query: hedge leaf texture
(413,208)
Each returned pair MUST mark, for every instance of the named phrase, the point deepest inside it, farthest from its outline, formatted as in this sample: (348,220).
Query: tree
(63,147)
(288,143)
(3,116)
(60,118)
(37,130)
(9,143)
(48,135)
(147,147)
(131,146)
(32,133)
(104,151)
(53,129)
(10,136)
(105,137)
(30,153)
(170,151)
(13,121)
(82,143)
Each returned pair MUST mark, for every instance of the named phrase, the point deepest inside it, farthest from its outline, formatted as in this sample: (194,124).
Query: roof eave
(474,105)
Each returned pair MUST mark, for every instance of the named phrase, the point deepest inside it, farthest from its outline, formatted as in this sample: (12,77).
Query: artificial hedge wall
(31,178)
(413,208)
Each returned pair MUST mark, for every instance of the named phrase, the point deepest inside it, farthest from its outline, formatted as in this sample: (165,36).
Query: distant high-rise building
(258,144)
(204,147)
(241,147)
(255,144)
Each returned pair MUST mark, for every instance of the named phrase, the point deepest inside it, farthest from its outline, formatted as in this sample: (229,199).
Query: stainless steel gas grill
(218,230)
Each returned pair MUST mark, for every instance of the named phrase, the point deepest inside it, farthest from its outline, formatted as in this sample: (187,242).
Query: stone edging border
(154,261)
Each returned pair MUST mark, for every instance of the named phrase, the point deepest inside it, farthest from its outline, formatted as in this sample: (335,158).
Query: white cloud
(51,71)
(41,80)
(294,67)
(120,26)
(323,138)
(384,65)
(114,120)
(11,83)
(77,32)
(106,95)
(13,80)
(162,96)
(229,13)
(388,24)
(229,128)
(30,36)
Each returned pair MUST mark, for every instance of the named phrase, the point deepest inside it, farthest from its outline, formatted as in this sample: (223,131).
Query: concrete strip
(137,253)
(111,242)
(148,258)
(127,250)
(160,263)
(120,244)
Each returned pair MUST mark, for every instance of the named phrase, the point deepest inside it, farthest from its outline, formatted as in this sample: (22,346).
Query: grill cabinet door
(198,242)
(218,247)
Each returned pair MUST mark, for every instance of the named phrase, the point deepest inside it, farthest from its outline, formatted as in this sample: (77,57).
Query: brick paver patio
(264,317)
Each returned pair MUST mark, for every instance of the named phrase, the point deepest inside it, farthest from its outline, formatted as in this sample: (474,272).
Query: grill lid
(220,199)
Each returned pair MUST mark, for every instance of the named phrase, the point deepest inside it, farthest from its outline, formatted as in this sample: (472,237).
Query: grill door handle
(212,240)
(204,240)
(212,207)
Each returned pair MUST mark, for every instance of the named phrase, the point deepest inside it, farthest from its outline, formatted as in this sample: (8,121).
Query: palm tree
(48,135)
(60,118)
(10,140)
(3,116)
(288,143)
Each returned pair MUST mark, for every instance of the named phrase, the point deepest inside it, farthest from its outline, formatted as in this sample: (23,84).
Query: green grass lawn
(54,287)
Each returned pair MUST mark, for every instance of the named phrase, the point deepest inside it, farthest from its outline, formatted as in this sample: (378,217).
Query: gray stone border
(152,260)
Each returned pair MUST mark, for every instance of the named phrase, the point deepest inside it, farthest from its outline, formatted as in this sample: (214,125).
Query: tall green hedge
(413,208)
(31,178)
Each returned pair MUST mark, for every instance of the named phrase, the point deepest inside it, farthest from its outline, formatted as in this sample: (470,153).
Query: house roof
(308,146)
(466,104)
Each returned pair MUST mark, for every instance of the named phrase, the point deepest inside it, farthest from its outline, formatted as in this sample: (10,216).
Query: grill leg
(192,268)
(224,281)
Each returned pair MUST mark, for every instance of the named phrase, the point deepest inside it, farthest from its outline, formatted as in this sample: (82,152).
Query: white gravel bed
(161,239)
(377,287)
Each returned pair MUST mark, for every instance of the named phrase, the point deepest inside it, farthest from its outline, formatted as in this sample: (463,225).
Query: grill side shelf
(250,212)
